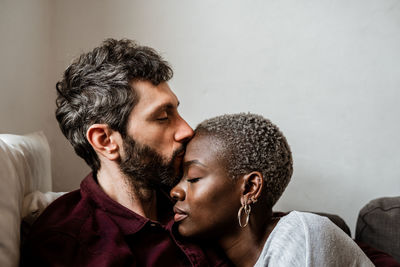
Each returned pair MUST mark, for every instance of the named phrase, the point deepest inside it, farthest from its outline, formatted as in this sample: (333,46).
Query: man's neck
(139,200)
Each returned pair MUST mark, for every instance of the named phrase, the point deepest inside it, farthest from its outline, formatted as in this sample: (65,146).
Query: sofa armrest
(378,225)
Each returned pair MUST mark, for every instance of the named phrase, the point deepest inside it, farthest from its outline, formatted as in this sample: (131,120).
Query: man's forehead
(154,96)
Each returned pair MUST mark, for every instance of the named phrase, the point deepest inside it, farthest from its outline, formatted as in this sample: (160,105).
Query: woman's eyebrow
(191,162)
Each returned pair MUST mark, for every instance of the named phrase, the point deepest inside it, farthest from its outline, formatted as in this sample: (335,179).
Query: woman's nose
(177,193)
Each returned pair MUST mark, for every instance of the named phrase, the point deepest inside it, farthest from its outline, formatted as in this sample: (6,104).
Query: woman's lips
(179,215)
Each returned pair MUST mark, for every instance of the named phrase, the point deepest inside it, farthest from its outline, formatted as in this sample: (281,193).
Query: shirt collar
(129,221)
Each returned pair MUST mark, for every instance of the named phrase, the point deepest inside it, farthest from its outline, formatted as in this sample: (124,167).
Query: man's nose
(184,132)
(177,193)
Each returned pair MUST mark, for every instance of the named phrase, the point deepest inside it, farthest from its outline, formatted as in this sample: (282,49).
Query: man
(115,107)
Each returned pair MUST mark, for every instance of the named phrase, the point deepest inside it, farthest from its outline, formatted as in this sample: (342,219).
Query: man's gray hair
(250,142)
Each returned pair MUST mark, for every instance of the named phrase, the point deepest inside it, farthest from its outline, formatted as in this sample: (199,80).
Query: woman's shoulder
(301,221)
(317,225)
(305,216)
(307,219)
(307,239)
(312,227)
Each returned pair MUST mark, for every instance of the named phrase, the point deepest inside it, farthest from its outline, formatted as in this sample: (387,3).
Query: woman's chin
(188,232)
(183,231)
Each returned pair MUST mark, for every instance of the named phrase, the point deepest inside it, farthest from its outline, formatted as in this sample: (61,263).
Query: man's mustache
(179,151)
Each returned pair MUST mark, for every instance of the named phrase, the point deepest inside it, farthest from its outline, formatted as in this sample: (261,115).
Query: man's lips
(179,215)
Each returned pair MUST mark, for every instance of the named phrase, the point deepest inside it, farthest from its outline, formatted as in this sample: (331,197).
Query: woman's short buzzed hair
(250,142)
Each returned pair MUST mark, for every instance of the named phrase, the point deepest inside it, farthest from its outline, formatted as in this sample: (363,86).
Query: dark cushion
(378,258)
(378,225)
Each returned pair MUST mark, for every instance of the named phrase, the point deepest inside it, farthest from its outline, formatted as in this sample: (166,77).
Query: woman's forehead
(204,148)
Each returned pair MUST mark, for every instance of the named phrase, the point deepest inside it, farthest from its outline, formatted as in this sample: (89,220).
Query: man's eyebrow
(163,107)
(191,162)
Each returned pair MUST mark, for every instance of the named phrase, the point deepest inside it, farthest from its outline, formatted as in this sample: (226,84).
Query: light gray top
(306,239)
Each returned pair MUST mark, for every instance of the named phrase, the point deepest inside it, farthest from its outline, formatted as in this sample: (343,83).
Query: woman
(235,169)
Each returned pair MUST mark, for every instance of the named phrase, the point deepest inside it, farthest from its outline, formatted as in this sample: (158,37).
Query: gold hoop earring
(247,209)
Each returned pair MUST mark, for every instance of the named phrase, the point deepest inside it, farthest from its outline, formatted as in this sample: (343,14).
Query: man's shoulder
(55,234)
(64,215)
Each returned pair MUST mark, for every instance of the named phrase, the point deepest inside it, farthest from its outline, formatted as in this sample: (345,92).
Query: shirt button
(152,224)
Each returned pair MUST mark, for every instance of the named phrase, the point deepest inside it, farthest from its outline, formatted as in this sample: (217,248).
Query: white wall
(327,72)
(24,57)
(26,87)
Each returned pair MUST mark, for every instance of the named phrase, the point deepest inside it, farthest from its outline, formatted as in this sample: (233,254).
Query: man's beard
(147,169)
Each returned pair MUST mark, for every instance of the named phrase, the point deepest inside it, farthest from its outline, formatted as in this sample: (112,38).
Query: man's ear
(104,141)
(253,184)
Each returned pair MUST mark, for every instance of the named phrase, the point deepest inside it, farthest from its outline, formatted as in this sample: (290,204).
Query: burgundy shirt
(87,228)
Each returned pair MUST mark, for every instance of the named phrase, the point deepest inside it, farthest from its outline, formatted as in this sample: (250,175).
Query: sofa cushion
(378,258)
(378,225)
(24,167)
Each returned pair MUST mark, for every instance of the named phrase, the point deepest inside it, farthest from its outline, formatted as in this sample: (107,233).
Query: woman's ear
(104,141)
(253,185)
